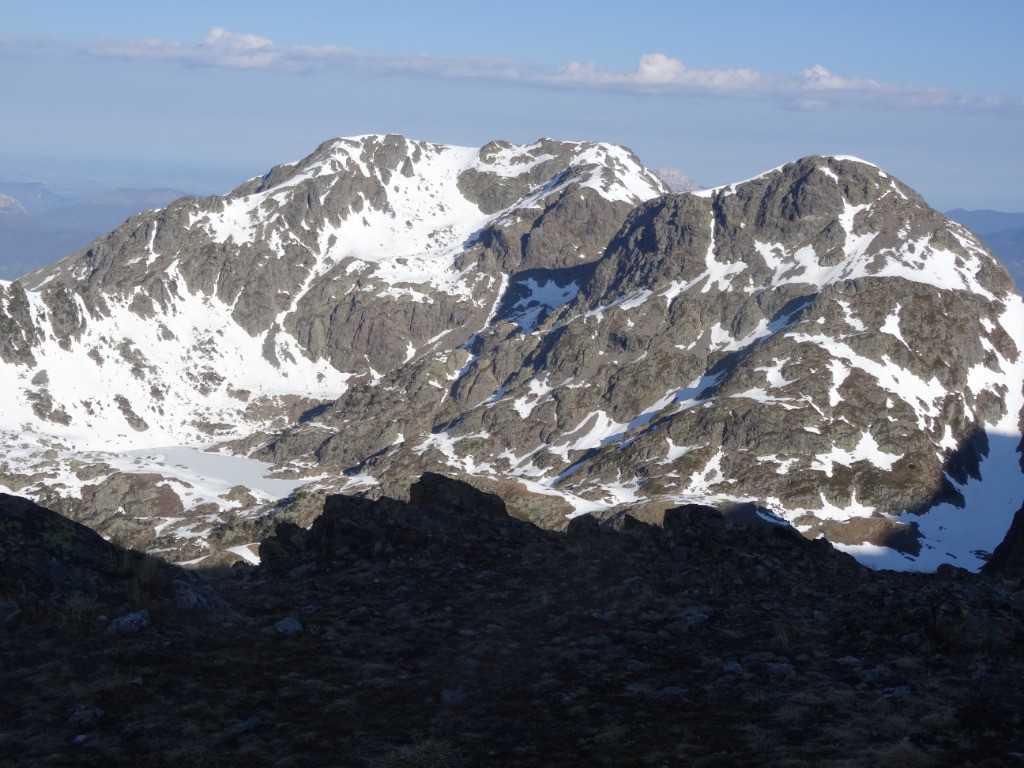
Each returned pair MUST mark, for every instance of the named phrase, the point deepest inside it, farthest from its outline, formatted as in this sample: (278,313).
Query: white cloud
(815,87)
(658,70)
(226,49)
(229,50)
(819,78)
(24,43)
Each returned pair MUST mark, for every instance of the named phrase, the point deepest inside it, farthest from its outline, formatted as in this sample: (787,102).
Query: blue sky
(201,95)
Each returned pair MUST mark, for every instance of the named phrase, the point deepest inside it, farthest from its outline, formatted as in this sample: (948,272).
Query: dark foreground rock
(51,562)
(439,632)
(1008,558)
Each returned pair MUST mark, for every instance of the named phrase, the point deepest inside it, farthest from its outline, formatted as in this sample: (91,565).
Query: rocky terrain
(442,632)
(545,321)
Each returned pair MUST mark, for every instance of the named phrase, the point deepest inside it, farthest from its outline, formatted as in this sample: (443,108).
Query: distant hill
(33,196)
(677,181)
(25,247)
(106,210)
(39,227)
(987,222)
(1002,232)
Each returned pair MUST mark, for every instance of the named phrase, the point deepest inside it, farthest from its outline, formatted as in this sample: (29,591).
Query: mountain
(1002,232)
(544,320)
(25,246)
(985,222)
(11,209)
(1009,246)
(104,211)
(34,197)
(676,180)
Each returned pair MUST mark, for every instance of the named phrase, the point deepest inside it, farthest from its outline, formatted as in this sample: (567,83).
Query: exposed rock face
(1008,558)
(545,322)
(122,507)
(53,561)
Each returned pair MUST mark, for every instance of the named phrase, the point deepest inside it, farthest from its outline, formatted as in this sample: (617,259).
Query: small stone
(694,615)
(131,624)
(9,612)
(896,692)
(761,657)
(245,726)
(289,626)
(673,691)
(782,669)
(635,665)
(302,570)
(192,598)
(876,676)
(639,689)
(83,716)
(453,696)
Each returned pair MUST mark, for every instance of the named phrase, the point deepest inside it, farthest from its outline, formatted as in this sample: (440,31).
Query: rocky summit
(442,632)
(548,322)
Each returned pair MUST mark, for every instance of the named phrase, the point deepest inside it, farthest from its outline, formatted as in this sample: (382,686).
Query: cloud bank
(228,50)
(814,88)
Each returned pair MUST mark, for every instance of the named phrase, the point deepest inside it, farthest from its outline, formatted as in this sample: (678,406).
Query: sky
(201,96)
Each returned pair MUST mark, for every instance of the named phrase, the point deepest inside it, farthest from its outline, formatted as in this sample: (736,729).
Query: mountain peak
(676,180)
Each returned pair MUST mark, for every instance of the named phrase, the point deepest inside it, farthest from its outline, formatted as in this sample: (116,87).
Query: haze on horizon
(201,96)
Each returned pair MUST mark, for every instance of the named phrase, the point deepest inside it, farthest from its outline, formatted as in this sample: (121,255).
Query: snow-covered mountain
(545,320)
(10,208)
(210,313)
(676,180)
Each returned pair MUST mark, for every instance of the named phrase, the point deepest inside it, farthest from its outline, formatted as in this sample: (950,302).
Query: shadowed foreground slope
(441,632)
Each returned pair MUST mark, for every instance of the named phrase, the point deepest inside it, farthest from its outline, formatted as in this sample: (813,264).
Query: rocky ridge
(544,321)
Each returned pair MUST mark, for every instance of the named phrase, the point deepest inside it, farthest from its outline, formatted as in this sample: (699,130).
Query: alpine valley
(547,322)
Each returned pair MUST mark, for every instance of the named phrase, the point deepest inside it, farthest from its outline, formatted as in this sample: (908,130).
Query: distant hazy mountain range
(677,181)
(39,227)
(1002,232)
